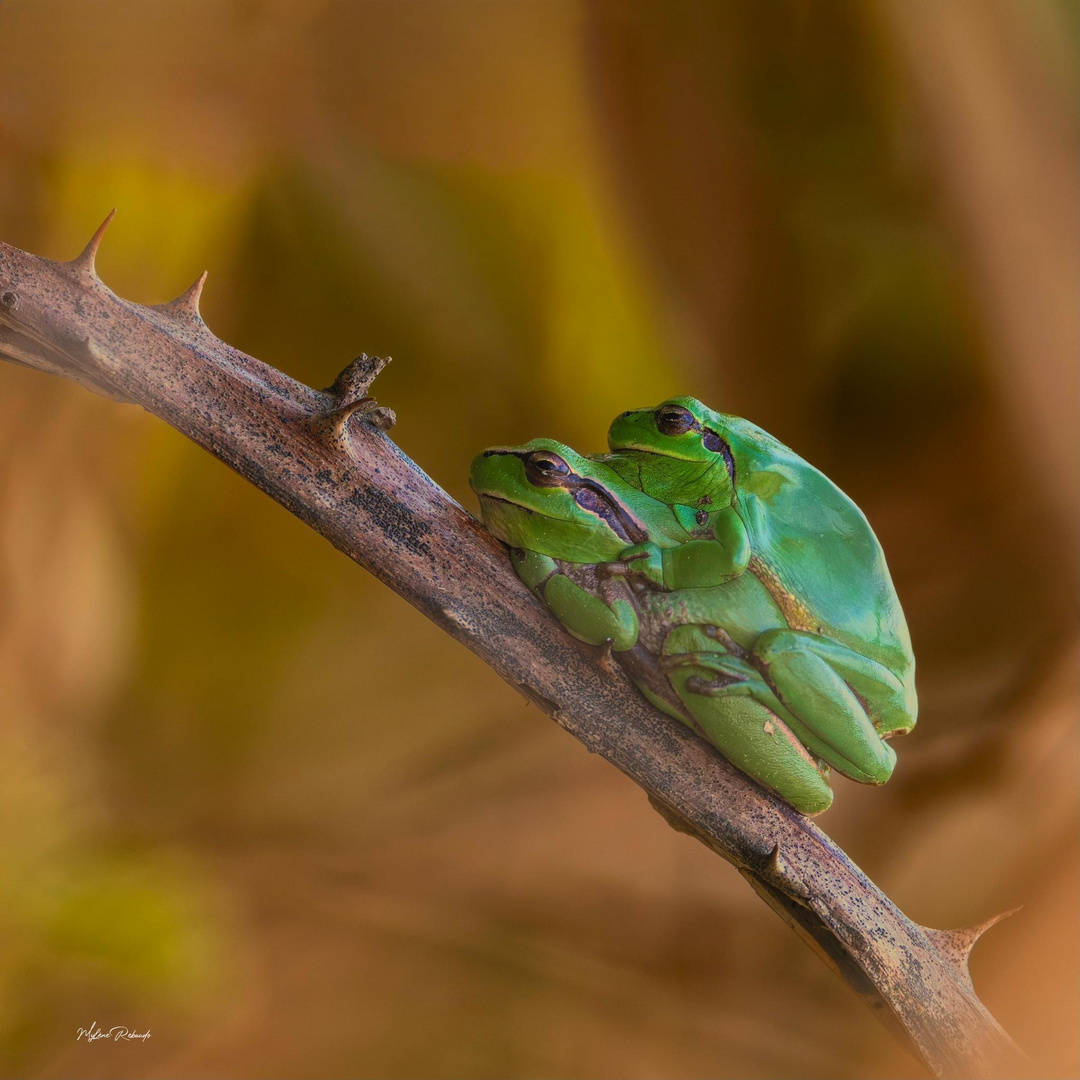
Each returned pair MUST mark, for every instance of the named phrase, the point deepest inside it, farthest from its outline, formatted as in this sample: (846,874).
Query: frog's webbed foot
(719,684)
(641,565)
(720,635)
(692,639)
(720,668)
(637,582)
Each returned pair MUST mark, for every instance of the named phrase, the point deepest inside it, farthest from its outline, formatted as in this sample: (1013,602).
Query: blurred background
(253,802)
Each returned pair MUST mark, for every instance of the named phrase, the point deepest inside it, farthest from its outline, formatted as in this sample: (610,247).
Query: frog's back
(814,549)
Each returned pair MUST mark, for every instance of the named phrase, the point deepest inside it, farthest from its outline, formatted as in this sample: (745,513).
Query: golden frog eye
(545,469)
(674,420)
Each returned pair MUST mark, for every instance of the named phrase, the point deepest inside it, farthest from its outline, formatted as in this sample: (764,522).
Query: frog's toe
(874,766)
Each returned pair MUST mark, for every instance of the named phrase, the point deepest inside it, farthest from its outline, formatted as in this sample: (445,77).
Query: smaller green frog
(588,514)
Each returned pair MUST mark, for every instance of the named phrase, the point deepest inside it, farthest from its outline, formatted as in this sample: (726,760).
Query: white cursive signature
(115,1033)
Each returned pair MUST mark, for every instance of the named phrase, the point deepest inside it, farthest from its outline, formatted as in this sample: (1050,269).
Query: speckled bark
(324,455)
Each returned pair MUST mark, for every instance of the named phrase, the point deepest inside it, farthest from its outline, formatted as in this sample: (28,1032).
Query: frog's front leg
(693,564)
(846,700)
(589,618)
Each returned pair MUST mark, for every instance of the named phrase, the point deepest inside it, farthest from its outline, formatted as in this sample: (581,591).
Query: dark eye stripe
(595,501)
(589,501)
(718,445)
(592,498)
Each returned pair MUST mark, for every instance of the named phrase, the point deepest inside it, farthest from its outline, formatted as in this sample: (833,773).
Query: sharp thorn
(972,934)
(186,305)
(334,423)
(84,265)
(192,297)
(773,862)
(956,945)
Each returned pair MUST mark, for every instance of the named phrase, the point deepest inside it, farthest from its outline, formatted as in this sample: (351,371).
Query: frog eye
(674,420)
(544,469)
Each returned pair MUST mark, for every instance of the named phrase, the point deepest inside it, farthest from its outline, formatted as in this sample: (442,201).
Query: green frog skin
(544,497)
(690,648)
(840,656)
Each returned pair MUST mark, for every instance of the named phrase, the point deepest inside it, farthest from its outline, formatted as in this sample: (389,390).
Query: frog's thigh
(757,742)
(812,689)
(890,704)
(588,618)
(747,680)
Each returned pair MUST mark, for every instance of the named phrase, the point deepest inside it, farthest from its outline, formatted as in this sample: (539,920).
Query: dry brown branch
(323,454)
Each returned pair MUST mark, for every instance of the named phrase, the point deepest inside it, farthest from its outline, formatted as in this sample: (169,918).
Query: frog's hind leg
(752,736)
(889,702)
(841,732)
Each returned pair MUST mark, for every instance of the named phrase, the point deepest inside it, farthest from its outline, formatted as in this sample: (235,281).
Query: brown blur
(252,802)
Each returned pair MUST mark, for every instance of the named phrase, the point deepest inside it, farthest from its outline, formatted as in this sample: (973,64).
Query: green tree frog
(590,515)
(690,642)
(845,649)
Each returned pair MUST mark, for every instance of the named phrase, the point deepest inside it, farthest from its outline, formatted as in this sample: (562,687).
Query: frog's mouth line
(508,502)
(591,498)
(711,440)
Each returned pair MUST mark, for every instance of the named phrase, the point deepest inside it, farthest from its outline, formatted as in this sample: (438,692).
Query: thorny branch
(324,455)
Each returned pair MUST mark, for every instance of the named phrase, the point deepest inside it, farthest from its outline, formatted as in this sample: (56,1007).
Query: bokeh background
(253,802)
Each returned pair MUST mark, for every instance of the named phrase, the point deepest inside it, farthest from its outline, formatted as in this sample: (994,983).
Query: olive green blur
(254,803)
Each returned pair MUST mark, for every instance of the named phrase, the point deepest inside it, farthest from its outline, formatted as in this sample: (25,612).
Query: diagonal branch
(323,454)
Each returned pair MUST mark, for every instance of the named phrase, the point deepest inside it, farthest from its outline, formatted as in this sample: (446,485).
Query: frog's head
(675,452)
(547,498)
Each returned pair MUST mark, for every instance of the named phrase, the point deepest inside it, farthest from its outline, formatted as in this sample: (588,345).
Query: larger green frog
(578,533)
(845,647)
